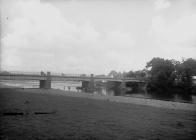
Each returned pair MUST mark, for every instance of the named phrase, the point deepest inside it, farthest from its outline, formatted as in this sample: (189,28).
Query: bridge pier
(142,86)
(123,87)
(118,87)
(85,86)
(45,84)
(91,84)
(88,86)
(136,86)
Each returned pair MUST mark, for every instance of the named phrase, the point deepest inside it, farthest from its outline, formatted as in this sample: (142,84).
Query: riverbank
(56,114)
(120,99)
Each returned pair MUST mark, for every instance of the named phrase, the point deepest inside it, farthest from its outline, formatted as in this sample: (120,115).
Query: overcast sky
(94,36)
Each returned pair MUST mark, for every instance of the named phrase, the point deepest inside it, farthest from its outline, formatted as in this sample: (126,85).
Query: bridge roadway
(11,76)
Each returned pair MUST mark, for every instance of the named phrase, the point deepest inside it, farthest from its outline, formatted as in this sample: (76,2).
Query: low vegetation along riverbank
(54,114)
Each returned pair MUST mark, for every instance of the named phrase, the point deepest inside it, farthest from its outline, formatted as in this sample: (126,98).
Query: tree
(130,74)
(162,74)
(185,71)
(115,74)
(137,74)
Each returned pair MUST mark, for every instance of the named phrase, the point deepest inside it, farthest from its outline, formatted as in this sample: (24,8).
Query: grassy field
(40,115)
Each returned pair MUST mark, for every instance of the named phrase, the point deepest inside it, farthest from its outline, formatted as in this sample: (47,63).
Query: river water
(72,86)
(67,85)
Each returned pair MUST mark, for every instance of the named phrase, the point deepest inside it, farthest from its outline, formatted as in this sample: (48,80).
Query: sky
(94,36)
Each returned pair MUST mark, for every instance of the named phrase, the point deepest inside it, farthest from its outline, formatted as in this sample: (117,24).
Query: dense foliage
(171,75)
(132,74)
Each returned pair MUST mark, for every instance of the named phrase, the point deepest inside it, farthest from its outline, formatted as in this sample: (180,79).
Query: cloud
(161,4)
(41,38)
(178,37)
(179,32)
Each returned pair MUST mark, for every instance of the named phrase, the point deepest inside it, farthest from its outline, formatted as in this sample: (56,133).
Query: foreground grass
(64,117)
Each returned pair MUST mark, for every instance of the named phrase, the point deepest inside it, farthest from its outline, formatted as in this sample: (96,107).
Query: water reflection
(153,95)
(116,91)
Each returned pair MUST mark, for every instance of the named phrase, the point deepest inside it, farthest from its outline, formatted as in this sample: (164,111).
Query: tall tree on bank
(162,74)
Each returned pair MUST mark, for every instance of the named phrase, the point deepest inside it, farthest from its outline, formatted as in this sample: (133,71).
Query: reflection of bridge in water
(88,81)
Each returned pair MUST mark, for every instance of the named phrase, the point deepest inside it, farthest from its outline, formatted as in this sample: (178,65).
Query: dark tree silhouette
(167,75)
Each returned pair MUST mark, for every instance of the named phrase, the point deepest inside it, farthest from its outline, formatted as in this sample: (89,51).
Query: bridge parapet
(69,75)
(19,73)
(14,75)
